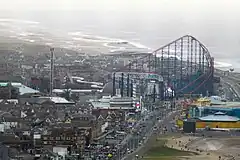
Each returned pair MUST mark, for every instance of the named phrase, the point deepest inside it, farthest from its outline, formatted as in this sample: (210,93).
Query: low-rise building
(65,135)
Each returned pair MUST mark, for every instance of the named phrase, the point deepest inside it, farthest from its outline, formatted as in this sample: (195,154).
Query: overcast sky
(216,22)
(194,5)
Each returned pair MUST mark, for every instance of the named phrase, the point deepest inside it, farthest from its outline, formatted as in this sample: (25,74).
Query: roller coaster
(183,66)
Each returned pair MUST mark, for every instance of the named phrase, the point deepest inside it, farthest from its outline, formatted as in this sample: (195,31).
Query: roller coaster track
(183,51)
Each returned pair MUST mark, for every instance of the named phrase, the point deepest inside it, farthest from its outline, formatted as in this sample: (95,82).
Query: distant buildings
(34,124)
(12,90)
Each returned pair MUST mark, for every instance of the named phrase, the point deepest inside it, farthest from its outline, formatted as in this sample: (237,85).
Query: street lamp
(51,70)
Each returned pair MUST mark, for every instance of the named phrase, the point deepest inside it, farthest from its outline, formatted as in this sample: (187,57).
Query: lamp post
(51,69)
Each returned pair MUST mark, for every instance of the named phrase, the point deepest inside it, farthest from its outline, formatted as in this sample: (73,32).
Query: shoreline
(86,48)
(187,143)
(31,32)
(182,144)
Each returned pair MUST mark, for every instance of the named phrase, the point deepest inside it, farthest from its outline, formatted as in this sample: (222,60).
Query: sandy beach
(207,148)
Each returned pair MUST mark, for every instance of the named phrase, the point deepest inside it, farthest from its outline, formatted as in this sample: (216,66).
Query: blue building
(230,109)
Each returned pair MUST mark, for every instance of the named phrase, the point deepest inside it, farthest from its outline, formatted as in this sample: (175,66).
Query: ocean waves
(84,41)
(17,21)
(222,65)
(114,45)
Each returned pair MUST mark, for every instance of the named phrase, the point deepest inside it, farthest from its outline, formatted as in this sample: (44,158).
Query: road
(129,136)
(232,83)
(131,141)
(151,130)
(143,136)
(228,91)
(139,131)
(138,136)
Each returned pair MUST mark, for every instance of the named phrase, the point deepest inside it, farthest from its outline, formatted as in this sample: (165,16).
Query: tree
(66,94)
(13,92)
(74,97)
(9,85)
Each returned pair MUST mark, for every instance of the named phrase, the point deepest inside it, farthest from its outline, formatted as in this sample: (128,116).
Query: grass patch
(165,151)
(159,151)
(160,158)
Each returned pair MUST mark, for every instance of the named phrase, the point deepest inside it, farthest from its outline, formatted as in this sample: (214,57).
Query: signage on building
(137,75)
(37,136)
(155,76)
(138,105)
(2,128)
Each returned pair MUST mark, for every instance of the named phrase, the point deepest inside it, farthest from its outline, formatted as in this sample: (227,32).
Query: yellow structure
(218,124)
(179,123)
(202,102)
(202,125)
(216,121)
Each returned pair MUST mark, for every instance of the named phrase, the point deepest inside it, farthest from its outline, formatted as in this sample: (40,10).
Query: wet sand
(208,149)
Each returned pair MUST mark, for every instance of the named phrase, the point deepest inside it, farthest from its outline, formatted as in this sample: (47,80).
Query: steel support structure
(185,65)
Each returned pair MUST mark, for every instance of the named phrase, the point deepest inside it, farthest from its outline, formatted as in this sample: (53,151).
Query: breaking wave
(222,65)
(17,21)
(23,32)
(112,43)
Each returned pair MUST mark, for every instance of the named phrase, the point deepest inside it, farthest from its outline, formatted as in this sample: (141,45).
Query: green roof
(4,84)
(228,104)
(22,88)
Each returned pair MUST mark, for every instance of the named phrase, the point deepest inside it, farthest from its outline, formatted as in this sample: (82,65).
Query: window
(57,138)
(51,138)
(68,138)
(63,138)
(45,138)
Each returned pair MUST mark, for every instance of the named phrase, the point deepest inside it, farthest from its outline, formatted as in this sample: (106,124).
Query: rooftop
(220,118)
(22,88)
(57,100)
(228,105)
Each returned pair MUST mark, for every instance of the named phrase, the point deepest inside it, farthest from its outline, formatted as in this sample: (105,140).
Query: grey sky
(215,22)
(143,5)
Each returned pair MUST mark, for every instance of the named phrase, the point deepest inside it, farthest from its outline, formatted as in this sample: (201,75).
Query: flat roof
(58,100)
(225,105)
(22,88)
(100,105)
(228,104)
(220,118)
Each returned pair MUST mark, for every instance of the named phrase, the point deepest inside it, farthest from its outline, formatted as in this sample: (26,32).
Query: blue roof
(222,118)
(220,108)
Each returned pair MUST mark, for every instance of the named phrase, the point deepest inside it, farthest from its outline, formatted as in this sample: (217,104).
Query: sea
(142,32)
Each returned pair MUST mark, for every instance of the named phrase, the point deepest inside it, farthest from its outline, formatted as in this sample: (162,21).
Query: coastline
(182,144)
(32,33)
(87,48)
(206,148)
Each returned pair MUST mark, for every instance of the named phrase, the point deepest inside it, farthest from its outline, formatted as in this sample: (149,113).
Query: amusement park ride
(183,66)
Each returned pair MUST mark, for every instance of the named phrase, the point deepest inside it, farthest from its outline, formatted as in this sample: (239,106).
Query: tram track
(233,84)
